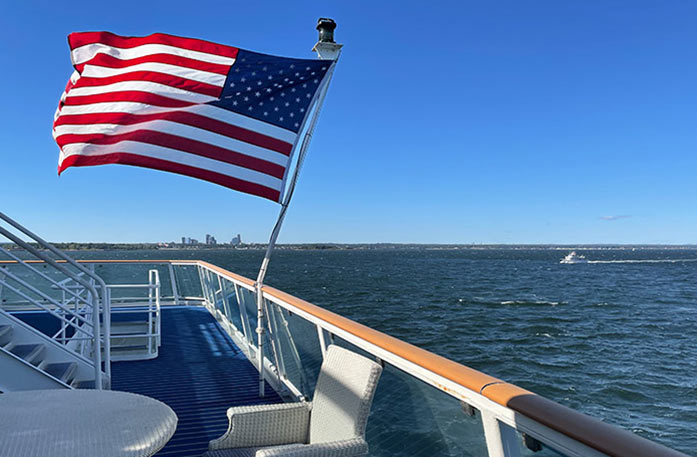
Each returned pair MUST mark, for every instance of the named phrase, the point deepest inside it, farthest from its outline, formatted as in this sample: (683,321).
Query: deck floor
(199,373)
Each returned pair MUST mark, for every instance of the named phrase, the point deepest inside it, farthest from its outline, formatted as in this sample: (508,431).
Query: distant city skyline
(453,123)
(209,239)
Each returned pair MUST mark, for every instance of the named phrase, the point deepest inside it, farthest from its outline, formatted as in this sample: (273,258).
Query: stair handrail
(48,299)
(57,284)
(105,305)
(64,286)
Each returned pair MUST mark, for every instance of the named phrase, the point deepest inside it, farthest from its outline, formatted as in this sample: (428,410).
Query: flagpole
(326,49)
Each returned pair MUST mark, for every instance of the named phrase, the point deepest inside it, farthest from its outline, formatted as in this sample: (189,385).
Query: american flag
(186,106)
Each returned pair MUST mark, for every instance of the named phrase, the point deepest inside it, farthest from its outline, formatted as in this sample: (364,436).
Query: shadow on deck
(199,373)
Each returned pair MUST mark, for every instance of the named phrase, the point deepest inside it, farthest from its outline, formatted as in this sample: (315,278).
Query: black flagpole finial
(326,28)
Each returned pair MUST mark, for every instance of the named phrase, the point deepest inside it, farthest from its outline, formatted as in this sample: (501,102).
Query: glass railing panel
(207,284)
(219,299)
(231,306)
(188,281)
(8,297)
(121,273)
(272,350)
(250,309)
(135,274)
(205,289)
(214,292)
(248,313)
(165,279)
(412,418)
(297,343)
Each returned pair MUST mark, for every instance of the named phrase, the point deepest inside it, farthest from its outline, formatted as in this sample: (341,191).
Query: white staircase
(32,360)
(34,275)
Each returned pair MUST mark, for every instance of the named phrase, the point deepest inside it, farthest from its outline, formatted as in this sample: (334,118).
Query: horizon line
(387,243)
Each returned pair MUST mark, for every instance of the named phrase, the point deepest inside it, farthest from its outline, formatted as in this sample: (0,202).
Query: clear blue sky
(447,122)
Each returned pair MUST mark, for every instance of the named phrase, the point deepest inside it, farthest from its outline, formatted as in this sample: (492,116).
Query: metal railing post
(173,281)
(158,316)
(150,302)
(322,342)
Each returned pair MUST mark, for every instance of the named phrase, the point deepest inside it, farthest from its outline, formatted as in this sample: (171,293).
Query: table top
(83,423)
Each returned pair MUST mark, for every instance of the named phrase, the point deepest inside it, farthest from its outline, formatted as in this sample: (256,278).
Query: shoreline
(355,246)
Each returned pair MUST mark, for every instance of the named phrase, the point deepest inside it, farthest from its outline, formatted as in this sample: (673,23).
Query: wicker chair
(332,425)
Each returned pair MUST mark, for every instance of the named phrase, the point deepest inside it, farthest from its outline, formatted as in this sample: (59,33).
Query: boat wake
(531,302)
(644,261)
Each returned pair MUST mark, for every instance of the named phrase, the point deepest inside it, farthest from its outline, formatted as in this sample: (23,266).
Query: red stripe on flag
(181,117)
(127,96)
(179,143)
(109,61)
(83,38)
(164,165)
(153,76)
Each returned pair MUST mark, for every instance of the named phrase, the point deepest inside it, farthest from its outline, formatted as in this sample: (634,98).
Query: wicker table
(83,423)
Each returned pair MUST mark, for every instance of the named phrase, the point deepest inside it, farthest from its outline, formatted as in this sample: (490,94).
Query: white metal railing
(90,315)
(151,304)
(511,418)
(71,293)
(153,308)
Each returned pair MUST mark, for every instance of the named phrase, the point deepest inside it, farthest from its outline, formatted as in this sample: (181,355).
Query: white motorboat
(573,257)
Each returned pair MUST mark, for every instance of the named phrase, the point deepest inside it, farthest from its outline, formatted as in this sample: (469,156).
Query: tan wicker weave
(332,425)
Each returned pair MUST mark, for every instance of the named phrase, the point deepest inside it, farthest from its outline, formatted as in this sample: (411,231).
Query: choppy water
(615,338)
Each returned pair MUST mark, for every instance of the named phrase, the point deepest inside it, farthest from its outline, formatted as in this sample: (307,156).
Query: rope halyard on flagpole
(326,49)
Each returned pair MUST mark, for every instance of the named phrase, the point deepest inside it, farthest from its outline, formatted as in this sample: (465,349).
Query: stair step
(128,328)
(132,353)
(129,342)
(88,384)
(5,334)
(62,370)
(29,352)
(131,348)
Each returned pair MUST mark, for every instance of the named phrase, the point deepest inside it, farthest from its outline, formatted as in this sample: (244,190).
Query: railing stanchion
(97,346)
(107,333)
(150,303)
(173,281)
(322,343)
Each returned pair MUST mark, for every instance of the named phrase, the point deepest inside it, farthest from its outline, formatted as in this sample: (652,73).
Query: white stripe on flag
(143,86)
(94,71)
(174,128)
(171,155)
(88,51)
(210,111)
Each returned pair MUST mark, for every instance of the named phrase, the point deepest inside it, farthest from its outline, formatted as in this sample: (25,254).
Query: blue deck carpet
(199,373)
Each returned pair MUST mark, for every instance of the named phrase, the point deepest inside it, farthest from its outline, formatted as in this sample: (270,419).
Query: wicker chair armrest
(265,425)
(355,447)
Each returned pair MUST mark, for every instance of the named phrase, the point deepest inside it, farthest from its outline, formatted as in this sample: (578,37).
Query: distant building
(183,240)
(210,239)
(236,241)
(193,241)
